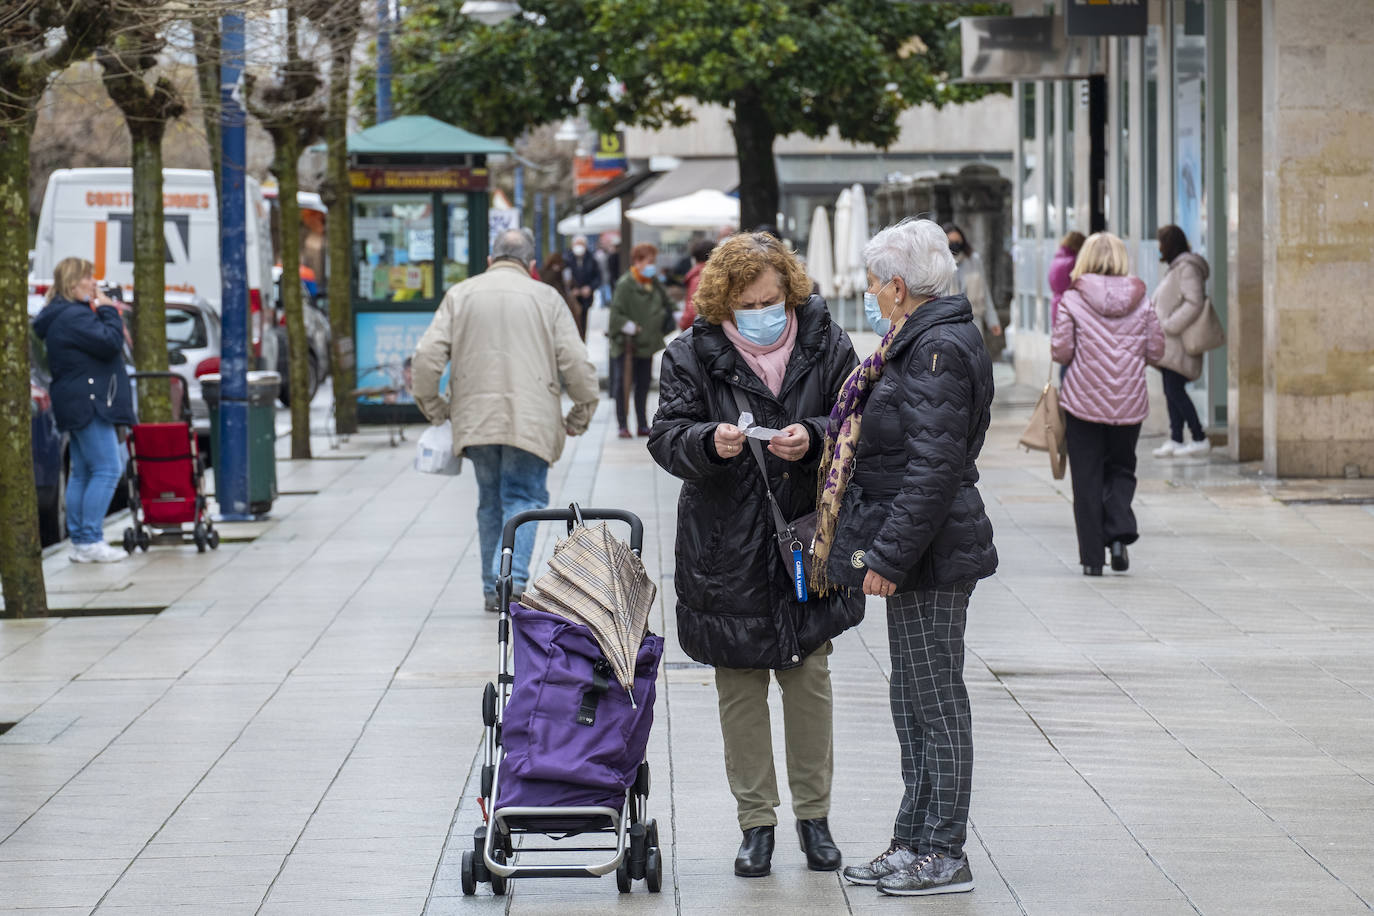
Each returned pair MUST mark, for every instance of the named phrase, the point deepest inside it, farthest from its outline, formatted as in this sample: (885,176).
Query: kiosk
(419,225)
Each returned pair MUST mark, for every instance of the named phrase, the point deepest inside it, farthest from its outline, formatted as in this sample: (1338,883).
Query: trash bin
(262,436)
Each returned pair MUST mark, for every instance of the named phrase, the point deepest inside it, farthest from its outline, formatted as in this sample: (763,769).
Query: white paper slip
(746,423)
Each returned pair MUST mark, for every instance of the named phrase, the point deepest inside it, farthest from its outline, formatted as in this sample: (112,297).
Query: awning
(704,209)
(611,190)
(714,174)
(827,175)
(605,218)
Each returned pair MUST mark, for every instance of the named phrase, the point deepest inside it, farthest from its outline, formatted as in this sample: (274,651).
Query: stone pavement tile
(1271,882)
(45,911)
(55,890)
(204,908)
(336,906)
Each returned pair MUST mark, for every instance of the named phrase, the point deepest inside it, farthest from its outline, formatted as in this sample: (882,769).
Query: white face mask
(579,250)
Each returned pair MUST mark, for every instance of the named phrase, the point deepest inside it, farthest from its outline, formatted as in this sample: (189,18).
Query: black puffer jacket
(85,355)
(736,605)
(912,506)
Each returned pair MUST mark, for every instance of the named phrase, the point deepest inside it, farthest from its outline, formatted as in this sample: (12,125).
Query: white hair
(917,250)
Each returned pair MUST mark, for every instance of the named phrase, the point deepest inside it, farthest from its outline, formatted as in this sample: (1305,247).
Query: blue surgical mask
(762,326)
(874,313)
(649,271)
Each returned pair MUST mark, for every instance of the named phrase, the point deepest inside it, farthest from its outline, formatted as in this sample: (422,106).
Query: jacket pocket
(859,521)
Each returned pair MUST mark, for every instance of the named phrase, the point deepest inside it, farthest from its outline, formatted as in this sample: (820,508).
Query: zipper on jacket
(934,360)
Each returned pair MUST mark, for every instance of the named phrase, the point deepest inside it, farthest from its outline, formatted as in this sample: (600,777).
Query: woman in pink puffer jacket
(1106,334)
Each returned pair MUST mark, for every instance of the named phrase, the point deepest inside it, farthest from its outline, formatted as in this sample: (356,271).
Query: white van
(89,213)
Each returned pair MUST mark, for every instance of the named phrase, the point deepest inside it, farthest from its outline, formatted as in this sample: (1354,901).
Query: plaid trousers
(930,710)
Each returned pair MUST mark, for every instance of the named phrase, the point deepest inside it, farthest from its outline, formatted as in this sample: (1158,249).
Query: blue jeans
(509,481)
(96,464)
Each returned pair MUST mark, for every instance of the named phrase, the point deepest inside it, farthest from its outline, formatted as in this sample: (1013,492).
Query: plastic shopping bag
(434,452)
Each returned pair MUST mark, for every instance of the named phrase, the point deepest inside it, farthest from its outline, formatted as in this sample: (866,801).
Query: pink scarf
(769,363)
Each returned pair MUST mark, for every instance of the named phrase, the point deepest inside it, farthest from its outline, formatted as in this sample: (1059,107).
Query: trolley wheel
(622,876)
(498,883)
(199,537)
(213,537)
(145,540)
(489,705)
(653,870)
(130,542)
(651,833)
(642,780)
(469,879)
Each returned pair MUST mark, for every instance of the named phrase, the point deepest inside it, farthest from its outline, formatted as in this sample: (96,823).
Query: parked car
(193,351)
(49,448)
(317,333)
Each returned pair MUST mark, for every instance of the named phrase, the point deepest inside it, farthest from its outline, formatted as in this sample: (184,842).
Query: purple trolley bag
(563,744)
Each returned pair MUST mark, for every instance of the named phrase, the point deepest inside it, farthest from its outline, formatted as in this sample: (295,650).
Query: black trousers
(1102,466)
(1181,407)
(641,373)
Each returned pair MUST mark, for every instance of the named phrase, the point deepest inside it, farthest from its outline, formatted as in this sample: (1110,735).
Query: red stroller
(166,478)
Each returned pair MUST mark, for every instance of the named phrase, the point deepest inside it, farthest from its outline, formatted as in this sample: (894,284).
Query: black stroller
(556,762)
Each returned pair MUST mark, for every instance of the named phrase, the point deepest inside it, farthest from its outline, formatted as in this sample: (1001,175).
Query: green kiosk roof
(420,135)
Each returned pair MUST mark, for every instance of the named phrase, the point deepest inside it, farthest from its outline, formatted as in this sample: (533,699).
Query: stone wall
(1318,288)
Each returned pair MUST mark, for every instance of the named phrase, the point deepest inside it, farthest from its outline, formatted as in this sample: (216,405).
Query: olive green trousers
(746,727)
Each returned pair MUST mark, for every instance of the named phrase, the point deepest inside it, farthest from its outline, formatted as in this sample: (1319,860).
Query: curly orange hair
(736,263)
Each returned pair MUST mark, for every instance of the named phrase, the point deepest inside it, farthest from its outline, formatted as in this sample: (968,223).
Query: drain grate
(685,666)
(106,611)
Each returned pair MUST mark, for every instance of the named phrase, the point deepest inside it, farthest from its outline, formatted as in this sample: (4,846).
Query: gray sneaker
(894,860)
(932,873)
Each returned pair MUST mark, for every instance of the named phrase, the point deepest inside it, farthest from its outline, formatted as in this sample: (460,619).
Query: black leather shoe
(820,849)
(1092,570)
(1121,561)
(755,857)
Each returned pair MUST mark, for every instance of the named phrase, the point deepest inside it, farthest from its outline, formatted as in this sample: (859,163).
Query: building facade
(1249,124)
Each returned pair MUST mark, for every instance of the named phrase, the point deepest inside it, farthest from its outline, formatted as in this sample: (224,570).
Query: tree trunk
(206,34)
(337,194)
(150,270)
(21,559)
(288,156)
(758,173)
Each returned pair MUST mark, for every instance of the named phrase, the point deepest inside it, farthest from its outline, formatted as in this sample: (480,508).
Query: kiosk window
(456,257)
(393,240)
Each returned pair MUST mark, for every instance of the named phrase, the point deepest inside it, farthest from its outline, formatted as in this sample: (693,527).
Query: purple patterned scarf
(837,458)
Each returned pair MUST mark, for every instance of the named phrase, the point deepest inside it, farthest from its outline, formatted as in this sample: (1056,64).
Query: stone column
(1245,223)
(1318,238)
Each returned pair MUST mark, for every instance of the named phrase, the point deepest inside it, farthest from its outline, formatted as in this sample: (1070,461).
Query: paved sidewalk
(298,731)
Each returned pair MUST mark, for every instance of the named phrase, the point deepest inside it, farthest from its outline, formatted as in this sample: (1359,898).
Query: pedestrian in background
(701,250)
(640,309)
(973,282)
(582,275)
(899,502)
(509,340)
(1106,334)
(553,273)
(1179,301)
(1061,269)
(762,338)
(91,396)
(607,256)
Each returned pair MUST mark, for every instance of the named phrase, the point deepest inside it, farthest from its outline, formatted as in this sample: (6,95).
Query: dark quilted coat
(736,606)
(912,505)
(85,356)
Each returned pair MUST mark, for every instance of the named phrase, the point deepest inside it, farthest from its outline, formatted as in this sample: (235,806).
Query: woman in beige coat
(1179,301)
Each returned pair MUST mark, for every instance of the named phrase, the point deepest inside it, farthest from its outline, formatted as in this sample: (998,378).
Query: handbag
(796,539)
(1205,333)
(1046,430)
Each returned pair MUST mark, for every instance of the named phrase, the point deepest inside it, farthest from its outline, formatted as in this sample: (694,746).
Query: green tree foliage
(781,66)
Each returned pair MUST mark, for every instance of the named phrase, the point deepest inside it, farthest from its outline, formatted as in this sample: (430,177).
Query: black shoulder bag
(796,539)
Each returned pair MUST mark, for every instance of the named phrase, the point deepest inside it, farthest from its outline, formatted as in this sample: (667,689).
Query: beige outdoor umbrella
(595,579)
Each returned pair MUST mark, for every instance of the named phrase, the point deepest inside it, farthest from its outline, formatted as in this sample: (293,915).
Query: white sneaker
(100,552)
(1196,449)
(1169,449)
(81,553)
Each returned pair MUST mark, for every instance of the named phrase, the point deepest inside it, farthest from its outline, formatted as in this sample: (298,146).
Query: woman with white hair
(900,516)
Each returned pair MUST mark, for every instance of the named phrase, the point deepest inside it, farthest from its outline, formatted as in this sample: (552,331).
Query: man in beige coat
(513,346)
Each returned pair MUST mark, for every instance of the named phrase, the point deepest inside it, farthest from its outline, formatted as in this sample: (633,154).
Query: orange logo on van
(124,199)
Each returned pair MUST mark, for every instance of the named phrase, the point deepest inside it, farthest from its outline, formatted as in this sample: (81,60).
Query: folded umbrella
(596,580)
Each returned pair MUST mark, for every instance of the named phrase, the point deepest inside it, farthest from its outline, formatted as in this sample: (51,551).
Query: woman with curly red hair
(763,344)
